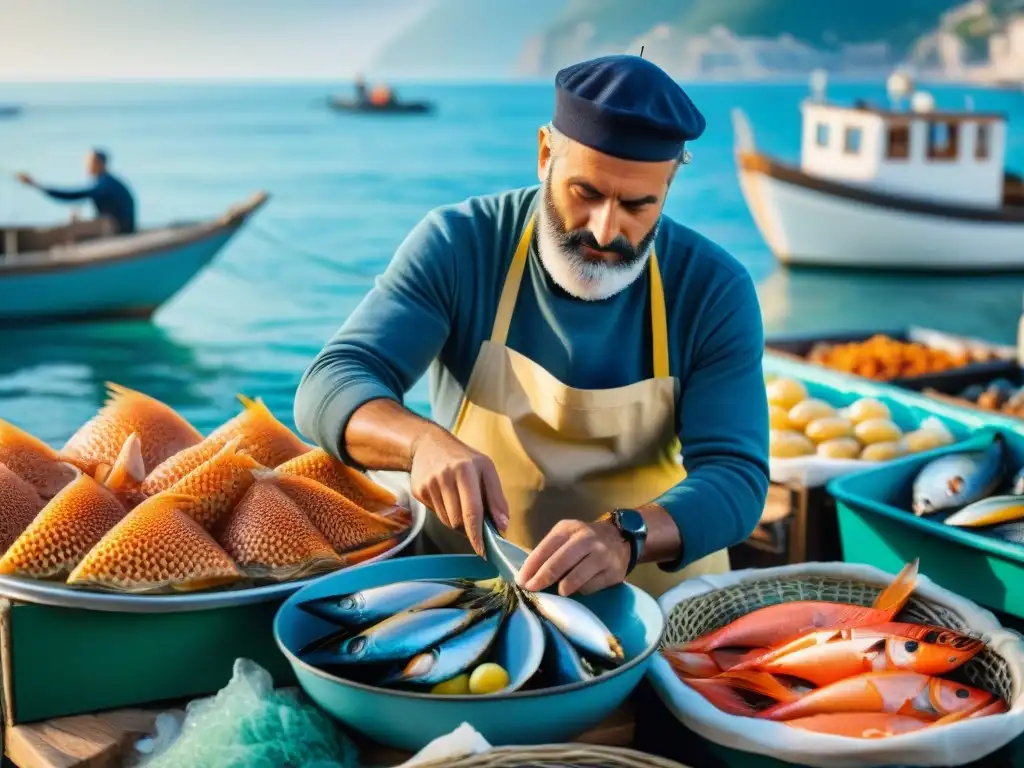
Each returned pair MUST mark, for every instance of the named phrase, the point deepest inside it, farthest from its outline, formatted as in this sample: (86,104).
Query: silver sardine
(404,635)
(958,479)
(579,624)
(452,657)
(369,606)
(561,660)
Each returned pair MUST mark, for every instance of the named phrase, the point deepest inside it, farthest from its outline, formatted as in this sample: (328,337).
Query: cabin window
(821,135)
(851,141)
(899,142)
(981,143)
(942,141)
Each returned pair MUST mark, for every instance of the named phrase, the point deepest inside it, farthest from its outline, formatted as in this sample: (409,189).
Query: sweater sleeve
(84,193)
(387,343)
(723,411)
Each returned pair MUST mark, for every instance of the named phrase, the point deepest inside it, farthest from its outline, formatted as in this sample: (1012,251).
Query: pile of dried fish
(461,636)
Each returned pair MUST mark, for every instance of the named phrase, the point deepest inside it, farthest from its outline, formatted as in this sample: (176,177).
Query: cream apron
(571,453)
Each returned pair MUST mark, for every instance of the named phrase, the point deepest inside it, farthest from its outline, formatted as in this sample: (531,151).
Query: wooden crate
(798,525)
(60,661)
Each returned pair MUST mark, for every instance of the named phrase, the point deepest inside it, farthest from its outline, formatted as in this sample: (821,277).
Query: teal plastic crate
(876,527)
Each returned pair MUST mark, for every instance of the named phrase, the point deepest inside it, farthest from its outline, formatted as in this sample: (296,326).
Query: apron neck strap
(514,278)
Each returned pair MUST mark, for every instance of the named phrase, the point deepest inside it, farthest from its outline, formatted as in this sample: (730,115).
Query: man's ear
(543,153)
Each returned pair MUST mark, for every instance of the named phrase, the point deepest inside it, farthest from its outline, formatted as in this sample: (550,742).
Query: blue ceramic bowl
(409,720)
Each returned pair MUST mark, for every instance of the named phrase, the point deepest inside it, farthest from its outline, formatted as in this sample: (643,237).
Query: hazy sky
(189,39)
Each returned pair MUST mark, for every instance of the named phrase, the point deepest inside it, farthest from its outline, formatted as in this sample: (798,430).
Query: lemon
(488,678)
(877,431)
(457,686)
(839,448)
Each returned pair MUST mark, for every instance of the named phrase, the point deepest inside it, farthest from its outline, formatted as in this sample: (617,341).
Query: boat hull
(810,223)
(116,277)
(396,108)
(124,288)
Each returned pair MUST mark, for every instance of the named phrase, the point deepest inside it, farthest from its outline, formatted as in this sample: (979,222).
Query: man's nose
(603,223)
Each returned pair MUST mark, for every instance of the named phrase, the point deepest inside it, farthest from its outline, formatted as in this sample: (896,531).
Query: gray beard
(580,277)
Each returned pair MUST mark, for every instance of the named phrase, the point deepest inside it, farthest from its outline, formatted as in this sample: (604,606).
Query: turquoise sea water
(345,190)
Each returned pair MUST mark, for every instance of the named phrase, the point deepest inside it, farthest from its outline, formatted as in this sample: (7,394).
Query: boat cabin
(953,157)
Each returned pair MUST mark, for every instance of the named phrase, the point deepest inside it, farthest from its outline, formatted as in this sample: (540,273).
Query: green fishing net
(248,724)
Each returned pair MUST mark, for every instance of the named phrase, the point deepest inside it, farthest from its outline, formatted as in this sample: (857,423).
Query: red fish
(898,693)
(775,624)
(830,655)
(745,693)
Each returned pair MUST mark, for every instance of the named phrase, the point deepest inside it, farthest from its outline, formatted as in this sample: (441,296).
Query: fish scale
(155,547)
(33,461)
(162,431)
(19,504)
(269,536)
(70,524)
(319,465)
(343,524)
(264,438)
(218,483)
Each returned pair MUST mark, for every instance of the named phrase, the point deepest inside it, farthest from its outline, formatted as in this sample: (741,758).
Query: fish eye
(356,644)
(910,645)
(962,693)
(347,602)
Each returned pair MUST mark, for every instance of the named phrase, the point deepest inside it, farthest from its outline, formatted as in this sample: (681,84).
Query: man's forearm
(382,434)
(663,540)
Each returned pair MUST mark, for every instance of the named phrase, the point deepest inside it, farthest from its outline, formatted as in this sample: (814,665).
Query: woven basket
(705,613)
(557,756)
(707,603)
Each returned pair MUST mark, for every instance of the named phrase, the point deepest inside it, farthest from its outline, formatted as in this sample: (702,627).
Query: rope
(269,237)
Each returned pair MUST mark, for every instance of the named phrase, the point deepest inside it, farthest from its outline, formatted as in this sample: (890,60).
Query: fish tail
(729,696)
(116,392)
(366,553)
(687,664)
(256,407)
(236,454)
(895,596)
(763,683)
(129,469)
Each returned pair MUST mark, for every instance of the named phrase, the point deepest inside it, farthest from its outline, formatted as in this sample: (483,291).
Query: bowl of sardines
(404,651)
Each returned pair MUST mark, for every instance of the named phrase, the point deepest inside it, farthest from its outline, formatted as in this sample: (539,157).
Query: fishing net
(704,604)
(706,613)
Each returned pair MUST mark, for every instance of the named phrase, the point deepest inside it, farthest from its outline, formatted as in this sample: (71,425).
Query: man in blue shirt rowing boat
(109,195)
(595,367)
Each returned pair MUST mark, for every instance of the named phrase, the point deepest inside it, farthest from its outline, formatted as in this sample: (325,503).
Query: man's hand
(25,179)
(584,557)
(458,483)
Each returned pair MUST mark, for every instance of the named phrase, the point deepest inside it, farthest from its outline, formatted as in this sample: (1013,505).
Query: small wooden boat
(9,110)
(888,189)
(391,107)
(81,271)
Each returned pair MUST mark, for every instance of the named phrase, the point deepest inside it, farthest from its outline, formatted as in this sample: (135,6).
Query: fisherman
(595,366)
(360,86)
(109,195)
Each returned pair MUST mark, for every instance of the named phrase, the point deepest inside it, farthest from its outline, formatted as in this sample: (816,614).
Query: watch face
(632,522)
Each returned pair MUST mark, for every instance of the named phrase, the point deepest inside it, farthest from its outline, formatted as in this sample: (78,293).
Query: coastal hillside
(741,37)
(698,39)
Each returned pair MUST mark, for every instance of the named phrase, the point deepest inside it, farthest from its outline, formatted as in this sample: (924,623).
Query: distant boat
(60,274)
(392,107)
(888,189)
(9,110)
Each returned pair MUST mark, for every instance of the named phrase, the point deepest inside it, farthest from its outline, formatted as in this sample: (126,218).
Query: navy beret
(627,107)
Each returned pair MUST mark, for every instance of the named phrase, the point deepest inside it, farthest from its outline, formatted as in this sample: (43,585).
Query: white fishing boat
(888,188)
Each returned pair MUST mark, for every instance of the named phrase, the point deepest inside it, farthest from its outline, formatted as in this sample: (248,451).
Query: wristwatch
(633,529)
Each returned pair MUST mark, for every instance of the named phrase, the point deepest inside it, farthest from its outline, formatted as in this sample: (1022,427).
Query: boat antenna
(818,83)
(641,51)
